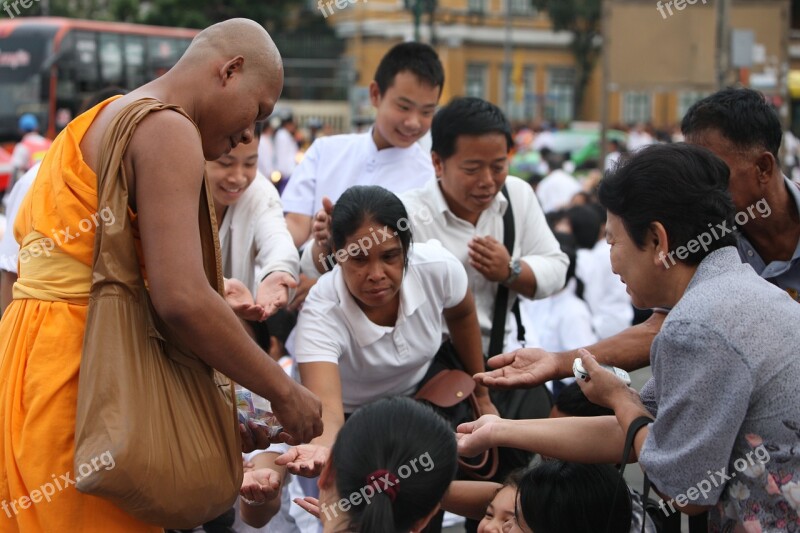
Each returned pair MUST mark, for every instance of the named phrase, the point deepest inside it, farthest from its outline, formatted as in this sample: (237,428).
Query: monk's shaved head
(237,37)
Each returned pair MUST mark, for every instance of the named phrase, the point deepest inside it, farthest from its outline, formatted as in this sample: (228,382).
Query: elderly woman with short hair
(726,364)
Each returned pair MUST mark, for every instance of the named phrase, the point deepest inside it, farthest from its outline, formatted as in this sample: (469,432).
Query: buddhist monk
(229,78)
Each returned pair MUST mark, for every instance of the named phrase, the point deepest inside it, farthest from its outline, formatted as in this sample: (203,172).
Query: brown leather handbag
(162,420)
(451,392)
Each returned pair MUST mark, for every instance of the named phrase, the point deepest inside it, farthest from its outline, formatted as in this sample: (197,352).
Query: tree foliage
(583,19)
(181,13)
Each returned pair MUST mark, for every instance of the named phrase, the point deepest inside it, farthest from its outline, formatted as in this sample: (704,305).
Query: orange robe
(41,338)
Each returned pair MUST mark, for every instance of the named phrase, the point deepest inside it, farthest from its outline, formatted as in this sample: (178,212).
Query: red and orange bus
(49,65)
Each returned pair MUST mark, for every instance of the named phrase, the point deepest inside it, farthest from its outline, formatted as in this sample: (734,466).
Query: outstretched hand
(475,437)
(261,485)
(306,460)
(273,292)
(321,227)
(241,301)
(602,387)
(523,368)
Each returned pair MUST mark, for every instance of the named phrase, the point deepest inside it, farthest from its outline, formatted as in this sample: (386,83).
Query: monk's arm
(168,163)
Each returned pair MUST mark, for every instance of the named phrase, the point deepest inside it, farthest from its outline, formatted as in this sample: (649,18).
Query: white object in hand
(582,374)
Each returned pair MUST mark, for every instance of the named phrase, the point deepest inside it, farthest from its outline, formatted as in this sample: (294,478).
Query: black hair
(418,58)
(360,203)
(684,187)
(743,116)
(554,217)
(570,248)
(467,116)
(394,434)
(558,496)
(585,225)
(573,402)
(600,211)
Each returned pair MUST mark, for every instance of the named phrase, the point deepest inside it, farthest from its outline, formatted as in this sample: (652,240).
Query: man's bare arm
(299,226)
(7,281)
(167,161)
(529,367)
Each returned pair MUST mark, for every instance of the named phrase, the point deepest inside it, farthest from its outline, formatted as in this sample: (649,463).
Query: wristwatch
(515,267)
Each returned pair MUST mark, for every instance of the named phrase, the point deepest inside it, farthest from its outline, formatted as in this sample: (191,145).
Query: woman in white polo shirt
(372,326)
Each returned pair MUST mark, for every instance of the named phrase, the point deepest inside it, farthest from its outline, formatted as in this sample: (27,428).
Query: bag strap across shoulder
(501,301)
(115,260)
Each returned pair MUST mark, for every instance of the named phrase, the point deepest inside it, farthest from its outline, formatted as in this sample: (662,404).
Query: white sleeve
(307,264)
(452,280)
(575,328)
(538,246)
(319,334)
(285,153)
(457,283)
(20,157)
(300,191)
(9,247)
(276,251)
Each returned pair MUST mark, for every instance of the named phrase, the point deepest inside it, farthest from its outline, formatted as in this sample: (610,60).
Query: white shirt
(603,290)
(638,139)
(611,160)
(285,152)
(534,243)
(266,155)
(9,247)
(333,164)
(377,361)
(562,322)
(556,190)
(253,237)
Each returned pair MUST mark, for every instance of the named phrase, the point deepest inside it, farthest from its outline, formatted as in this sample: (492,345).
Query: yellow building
(470,37)
(506,52)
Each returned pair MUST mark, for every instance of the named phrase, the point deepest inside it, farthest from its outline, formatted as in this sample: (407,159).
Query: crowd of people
(355,274)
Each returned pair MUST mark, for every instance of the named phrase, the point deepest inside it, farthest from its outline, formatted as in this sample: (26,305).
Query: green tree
(202,13)
(582,18)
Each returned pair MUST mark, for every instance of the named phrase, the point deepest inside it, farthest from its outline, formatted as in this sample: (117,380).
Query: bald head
(237,37)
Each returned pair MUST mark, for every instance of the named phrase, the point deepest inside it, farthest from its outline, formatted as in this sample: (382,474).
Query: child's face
(404,111)
(499,511)
(231,174)
(517,523)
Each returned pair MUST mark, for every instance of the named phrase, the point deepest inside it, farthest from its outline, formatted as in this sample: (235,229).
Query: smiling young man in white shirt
(405,93)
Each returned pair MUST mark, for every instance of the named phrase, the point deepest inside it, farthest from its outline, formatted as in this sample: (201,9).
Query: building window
(521,7)
(559,100)
(686,99)
(637,106)
(476,6)
(476,80)
(518,92)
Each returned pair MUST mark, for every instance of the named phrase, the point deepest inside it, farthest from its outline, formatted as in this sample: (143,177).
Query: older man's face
(744,184)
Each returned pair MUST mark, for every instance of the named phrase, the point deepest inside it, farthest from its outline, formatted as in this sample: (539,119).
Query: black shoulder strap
(501,301)
(634,428)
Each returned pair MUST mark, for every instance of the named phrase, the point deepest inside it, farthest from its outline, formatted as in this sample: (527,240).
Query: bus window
(134,61)
(111,72)
(87,68)
(164,52)
(23,86)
